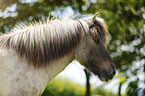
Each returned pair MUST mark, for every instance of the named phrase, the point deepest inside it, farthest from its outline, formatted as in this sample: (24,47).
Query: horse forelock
(99,29)
(41,43)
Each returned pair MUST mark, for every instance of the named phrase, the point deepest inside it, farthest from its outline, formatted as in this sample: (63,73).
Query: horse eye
(92,26)
(97,41)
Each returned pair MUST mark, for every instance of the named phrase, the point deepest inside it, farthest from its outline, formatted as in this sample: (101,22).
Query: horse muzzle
(106,75)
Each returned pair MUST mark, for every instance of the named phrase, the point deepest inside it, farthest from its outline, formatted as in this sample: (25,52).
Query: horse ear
(91,20)
(94,17)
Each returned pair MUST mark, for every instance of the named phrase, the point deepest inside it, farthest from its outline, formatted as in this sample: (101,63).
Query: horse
(32,55)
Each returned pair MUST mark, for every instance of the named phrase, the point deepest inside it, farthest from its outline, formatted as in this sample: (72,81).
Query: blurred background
(126,24)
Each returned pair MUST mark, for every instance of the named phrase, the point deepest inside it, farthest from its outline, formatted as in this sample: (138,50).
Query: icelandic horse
(32,55)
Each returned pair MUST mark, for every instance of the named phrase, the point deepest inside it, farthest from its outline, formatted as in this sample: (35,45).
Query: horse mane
(40,43)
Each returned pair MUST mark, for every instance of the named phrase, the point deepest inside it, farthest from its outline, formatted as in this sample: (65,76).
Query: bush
(63,87)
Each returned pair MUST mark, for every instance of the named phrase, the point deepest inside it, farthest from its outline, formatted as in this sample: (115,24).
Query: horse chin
(103,78)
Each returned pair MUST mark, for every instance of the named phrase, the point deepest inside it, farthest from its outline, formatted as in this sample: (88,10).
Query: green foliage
(63,87)
(126,24)
(103,92)
(133,88)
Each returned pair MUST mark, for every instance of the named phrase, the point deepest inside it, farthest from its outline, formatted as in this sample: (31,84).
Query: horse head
(92,52)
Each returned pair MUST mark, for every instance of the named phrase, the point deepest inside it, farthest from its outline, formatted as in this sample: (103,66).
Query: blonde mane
(41,42)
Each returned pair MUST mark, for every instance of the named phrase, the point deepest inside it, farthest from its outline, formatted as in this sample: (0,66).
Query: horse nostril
(113,72)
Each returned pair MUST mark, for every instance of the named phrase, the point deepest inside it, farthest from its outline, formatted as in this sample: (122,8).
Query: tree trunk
(119,93)
(87,82)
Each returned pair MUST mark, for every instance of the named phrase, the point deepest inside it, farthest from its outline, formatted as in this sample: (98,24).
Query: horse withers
(31,56)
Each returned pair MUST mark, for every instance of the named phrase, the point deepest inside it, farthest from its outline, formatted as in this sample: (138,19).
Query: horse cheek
(82,57)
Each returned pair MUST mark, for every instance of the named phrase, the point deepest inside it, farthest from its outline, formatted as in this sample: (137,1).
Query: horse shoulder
(17,77)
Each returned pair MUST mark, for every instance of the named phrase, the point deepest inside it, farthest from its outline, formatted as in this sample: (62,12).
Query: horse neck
(59,65)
